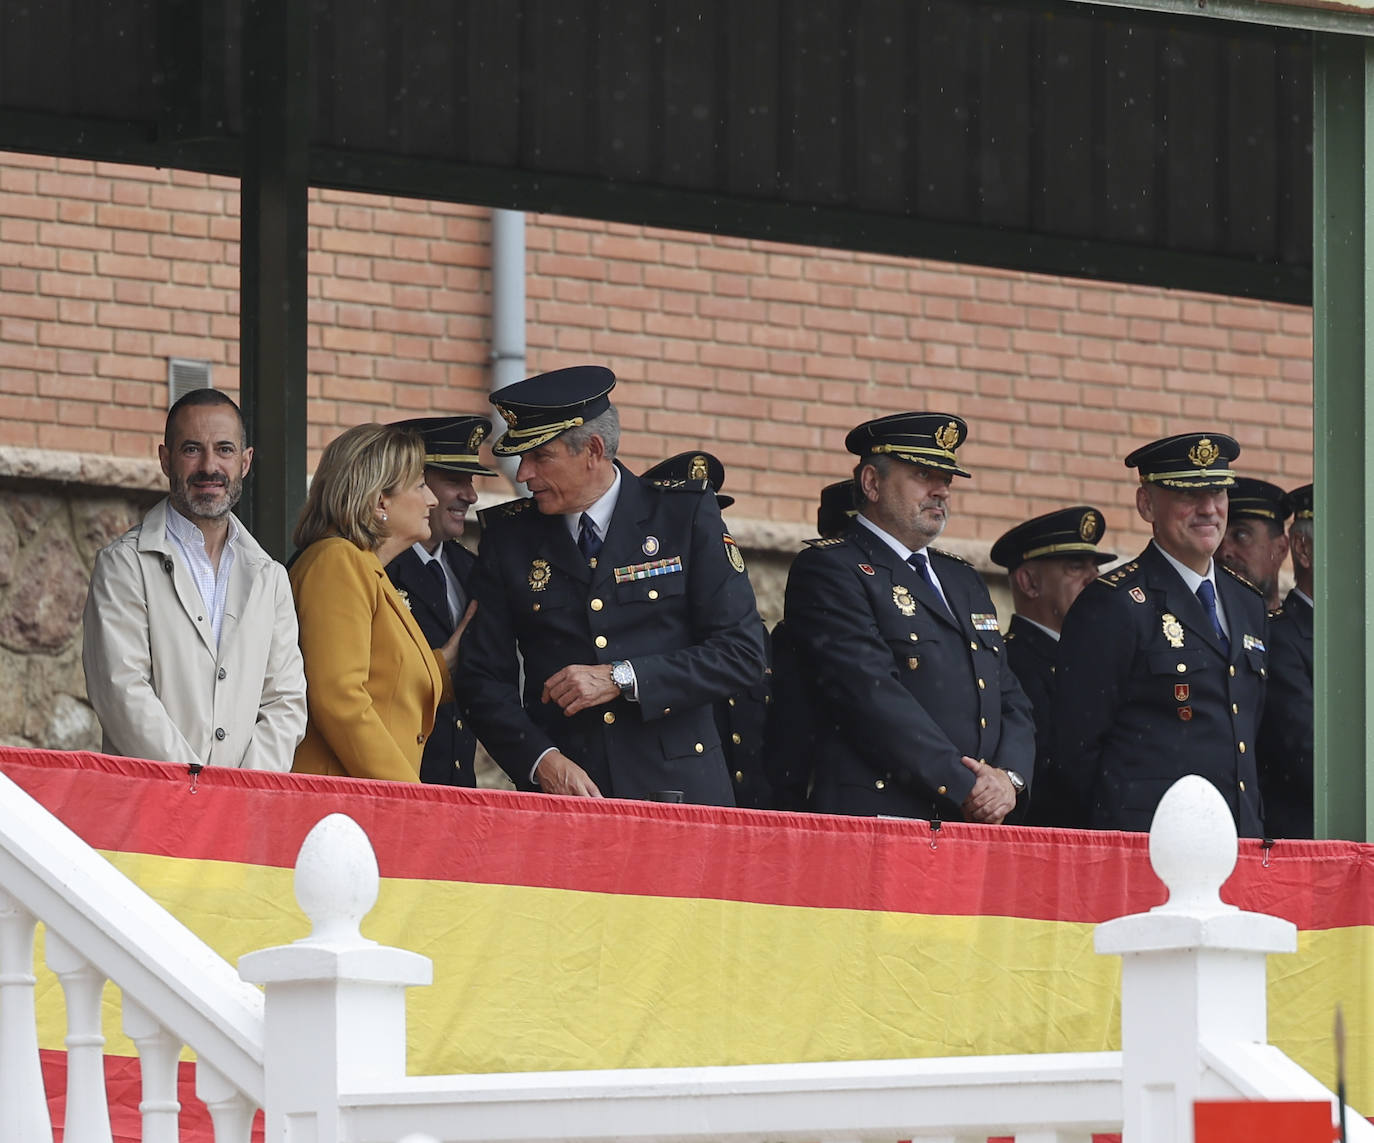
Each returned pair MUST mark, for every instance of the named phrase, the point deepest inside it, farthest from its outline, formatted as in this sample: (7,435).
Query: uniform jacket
(790,737)
(901,688)
(1030,654)
(1285,737)
(741,721)
(1136,710)
(451,749)
(157,681)
(693,636)
(374,681)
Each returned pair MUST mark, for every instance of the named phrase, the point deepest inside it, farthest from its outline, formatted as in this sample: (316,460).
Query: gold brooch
(947,436)
(405,598)
(540,574)
(903,599)
(1204,452)
(1173,630)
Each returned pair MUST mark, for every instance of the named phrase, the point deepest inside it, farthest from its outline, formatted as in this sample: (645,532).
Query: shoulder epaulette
(509,508)
(1115,578)
(681,485)
(949,556)
(832,542)
(1235,575)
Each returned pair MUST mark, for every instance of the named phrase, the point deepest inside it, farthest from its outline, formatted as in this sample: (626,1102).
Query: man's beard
(204,505)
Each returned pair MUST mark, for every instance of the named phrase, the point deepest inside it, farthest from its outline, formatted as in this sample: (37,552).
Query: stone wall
(56,512)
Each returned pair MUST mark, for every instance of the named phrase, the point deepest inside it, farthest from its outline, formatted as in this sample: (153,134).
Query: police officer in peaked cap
(1162,663)
(1255,544)
(1049,560)
(919,714)
(626,602)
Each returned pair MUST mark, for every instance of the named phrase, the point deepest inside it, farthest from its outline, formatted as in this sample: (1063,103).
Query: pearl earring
(383,515)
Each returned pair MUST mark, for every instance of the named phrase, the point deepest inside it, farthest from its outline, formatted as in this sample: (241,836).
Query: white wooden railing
(1194,1023)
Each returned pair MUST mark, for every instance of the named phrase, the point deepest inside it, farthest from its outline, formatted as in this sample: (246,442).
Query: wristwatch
(623,675)
(1018,783)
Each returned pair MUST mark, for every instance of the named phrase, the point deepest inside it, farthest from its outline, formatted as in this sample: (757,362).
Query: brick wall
(766,353)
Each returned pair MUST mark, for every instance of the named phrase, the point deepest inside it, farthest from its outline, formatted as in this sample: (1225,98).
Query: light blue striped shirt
(190,542)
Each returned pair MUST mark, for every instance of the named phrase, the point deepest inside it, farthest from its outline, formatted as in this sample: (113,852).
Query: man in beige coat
(190,646)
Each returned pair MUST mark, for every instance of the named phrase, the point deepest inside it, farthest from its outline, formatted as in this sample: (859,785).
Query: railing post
(159,1058)
(335,1002)
(88,1112)
(1193,969)
(23,1106)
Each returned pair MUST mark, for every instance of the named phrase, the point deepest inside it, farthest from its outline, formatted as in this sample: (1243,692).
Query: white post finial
(336,881)
(1193,846)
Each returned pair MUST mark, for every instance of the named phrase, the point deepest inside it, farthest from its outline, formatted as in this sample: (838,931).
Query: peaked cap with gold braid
(1188,460)
(928,439)
(540,408)
(451,443)
(1072,531)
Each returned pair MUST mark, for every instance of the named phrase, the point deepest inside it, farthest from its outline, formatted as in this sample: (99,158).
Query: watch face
(1018,782)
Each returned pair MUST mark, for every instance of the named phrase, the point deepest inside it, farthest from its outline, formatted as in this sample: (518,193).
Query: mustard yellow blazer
(372,681)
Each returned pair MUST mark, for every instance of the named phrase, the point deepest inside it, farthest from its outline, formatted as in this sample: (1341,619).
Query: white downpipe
(507,315)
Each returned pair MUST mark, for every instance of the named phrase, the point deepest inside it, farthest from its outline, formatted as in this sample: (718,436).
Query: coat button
(653,593)
(1235,709)
(458,722)
(736,739)
(667,710)
(1242,787)
(536,607)
(942,790)
(699,748)
(600,640)
(1181,668)
(608,717)
(1241,747)
(597,605)
(914,637)
(982,686)
(880,785)
(1233,672)
(731,701)
(420,739)
(219,733)
(983,723)
(972,646)
(739,775)
(913,663)
(221,673)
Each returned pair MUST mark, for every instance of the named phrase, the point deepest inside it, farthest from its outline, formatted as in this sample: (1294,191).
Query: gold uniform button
(653,593)
(880,785)
(982,686)
(739,775)
(536,607)
(458,722)
(667,710)
(736,739)
(1181,668)
(913,663)
(597,605)
(601,640)
(699,748)
(972,646)
(1242,787)
(1235,709)
(914,637)
(732,702)
(1241,747)
(983,723)
(608,717)
(1233,672)
(942,789)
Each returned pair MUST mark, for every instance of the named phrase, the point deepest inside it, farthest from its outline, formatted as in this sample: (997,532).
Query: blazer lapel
(397,604)
(557,547)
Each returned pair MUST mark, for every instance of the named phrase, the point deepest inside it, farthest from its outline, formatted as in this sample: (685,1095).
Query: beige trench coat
(158,683)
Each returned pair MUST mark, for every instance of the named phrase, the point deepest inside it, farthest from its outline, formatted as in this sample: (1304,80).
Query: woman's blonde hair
(356,468)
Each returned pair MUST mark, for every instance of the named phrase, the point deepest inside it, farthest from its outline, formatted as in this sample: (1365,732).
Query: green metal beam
(1343,432)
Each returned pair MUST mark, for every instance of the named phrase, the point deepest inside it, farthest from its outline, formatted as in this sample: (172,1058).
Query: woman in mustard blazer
(372,681)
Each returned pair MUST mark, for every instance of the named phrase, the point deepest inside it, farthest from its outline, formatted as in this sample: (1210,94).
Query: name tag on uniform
(984,622)
(631,572)
(1253,643)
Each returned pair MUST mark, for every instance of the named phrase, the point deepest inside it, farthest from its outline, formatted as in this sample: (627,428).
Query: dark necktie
(1208,594)
(588,542)
(921,562)
(436,572)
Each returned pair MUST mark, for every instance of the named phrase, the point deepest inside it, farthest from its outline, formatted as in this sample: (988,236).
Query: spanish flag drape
(577,934)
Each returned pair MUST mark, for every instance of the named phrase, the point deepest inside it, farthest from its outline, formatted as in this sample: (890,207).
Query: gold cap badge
(947,436)
(1204,453)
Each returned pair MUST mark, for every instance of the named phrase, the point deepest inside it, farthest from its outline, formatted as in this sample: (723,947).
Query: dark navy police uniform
(1285,736)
